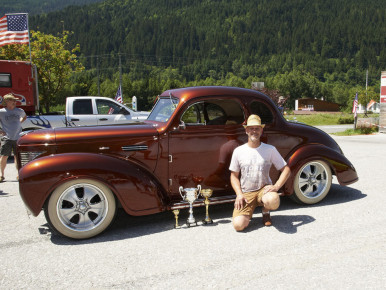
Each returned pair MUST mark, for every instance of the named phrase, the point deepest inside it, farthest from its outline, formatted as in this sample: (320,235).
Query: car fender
(339,164)
(137,189)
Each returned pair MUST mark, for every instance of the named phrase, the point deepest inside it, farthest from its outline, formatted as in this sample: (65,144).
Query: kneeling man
(250,179)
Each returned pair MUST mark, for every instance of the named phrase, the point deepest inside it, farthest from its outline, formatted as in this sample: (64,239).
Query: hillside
(304,48)
(325,36)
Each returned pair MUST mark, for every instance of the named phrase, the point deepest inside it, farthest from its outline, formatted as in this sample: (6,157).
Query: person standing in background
(11,118)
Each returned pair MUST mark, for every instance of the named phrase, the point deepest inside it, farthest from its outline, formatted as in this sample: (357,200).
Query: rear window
(83,107)
(262,111)
(5,80)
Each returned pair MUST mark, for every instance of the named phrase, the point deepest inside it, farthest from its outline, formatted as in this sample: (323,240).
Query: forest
(33,7)
(314,49)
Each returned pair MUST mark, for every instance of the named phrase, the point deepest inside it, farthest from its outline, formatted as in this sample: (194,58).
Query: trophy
(191,194)
(206,193)
(176,212)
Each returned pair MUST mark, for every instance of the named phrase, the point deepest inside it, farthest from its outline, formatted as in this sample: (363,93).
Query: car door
(82,113)
(200,149)
(111,113)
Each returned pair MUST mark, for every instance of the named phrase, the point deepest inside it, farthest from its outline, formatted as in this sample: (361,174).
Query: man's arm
(22,119)
(235,182)
(284,175)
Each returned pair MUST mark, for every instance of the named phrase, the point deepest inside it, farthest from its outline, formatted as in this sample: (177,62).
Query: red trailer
(20,78)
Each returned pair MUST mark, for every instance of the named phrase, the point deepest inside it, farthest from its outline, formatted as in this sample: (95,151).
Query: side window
(224,112)
(106,107)
(82,107)
(263,111)
(5,80)
(214,112)
(194,115)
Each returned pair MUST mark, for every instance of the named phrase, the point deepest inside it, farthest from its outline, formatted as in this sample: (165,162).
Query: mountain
(38,6)
(323,35)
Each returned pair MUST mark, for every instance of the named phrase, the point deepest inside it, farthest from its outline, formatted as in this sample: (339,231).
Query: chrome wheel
(81,209)
(312,182)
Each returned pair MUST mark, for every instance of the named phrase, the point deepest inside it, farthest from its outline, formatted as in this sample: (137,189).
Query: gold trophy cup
(176,212)
(206,193)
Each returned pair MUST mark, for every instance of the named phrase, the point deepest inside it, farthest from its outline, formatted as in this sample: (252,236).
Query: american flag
(355,105)
(14,29)
(118,98)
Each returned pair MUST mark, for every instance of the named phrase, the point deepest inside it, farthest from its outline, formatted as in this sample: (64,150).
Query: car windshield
(163,109)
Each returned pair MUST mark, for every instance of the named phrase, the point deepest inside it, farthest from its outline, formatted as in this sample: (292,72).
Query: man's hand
(240,202)
(270,188)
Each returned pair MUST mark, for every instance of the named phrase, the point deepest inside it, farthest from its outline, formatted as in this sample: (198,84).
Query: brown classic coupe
(79,176)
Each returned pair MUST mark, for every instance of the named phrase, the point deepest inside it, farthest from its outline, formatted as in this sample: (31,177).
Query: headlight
(26,157)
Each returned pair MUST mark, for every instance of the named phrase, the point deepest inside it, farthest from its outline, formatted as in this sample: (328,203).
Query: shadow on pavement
(126,227)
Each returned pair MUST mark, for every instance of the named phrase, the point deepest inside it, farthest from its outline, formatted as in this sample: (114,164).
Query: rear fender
(339,164)
(138,190)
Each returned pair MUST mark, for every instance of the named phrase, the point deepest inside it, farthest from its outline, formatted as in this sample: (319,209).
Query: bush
(346,120)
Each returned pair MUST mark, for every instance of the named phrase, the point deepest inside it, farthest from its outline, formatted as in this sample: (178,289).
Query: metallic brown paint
(145,181)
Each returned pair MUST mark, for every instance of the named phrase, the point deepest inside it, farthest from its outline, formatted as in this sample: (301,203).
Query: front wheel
(312,182)
(81,208)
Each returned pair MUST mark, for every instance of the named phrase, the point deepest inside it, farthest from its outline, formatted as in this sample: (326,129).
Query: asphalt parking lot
(339,243)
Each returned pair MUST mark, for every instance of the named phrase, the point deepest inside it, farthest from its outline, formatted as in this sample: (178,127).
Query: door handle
(103,119)
(72,119)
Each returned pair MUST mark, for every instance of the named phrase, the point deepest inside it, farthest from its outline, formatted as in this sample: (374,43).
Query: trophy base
(207,221)
(191,223)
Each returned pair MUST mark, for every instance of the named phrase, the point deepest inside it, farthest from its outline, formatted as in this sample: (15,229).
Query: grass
(359,131)
(325,118)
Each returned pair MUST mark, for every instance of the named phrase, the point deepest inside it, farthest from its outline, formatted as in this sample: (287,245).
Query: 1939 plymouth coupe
(80,176)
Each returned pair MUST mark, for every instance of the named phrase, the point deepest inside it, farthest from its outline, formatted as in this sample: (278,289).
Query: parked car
(85,111)
(80,176)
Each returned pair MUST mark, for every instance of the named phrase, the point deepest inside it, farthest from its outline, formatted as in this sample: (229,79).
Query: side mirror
(182,125)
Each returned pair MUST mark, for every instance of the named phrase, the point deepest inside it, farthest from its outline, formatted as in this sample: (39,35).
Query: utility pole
(120,75)
(98,76)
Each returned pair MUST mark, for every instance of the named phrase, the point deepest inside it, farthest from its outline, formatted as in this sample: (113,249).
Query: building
(372,106)
(316,105)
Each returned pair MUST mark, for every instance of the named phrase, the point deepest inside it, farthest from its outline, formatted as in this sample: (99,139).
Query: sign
(383,87)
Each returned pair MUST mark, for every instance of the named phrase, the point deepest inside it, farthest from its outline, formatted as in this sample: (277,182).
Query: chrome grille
(26,157)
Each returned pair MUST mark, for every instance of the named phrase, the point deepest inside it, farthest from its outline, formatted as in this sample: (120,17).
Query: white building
(372,106)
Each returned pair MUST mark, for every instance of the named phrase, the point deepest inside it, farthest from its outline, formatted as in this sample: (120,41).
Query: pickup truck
(80,176)
(85,111)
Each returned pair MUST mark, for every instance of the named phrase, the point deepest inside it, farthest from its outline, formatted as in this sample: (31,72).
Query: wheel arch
(136,189)
(339,165)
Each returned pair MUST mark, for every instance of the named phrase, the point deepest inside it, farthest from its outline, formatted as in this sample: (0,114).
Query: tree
(54,63)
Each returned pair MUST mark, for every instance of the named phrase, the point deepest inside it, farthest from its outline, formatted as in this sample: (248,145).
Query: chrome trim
(201,202)
(135,148)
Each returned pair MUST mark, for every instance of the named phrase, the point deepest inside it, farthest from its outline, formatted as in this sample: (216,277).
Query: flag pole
(29,41)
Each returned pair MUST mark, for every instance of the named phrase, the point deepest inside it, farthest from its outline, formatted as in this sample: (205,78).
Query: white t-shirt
(254,165)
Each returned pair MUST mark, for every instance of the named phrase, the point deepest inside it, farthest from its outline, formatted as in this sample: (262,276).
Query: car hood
(92,133)
(78,135)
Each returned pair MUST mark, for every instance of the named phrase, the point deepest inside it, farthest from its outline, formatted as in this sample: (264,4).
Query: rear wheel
(312,182)
(81,208)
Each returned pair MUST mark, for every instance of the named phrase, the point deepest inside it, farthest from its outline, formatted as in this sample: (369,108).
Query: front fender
(137,189)
(339,164)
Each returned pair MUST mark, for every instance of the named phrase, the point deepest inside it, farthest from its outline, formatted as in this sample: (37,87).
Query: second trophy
(191,194)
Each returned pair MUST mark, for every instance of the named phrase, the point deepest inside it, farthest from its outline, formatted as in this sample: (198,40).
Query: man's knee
(271,200)
(240,222)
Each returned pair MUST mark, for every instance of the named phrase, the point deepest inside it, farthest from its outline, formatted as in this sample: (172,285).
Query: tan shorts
(254,199)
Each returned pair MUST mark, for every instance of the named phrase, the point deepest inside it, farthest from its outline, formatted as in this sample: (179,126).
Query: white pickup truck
(86,111)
